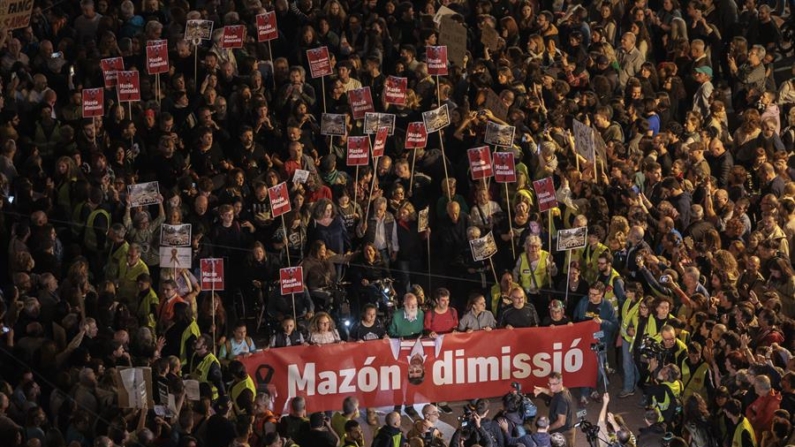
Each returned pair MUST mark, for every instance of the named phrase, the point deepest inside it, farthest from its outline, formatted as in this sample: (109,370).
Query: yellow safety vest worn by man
(90,234)
(203,371)
(191,330)
(237,390)
(743,430)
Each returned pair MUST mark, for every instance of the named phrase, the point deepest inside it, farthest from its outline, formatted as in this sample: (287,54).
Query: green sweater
(401,327)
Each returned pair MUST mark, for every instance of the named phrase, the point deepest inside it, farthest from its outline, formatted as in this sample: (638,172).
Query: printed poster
(379,144)
(358,151)
(504,167)
(332,124)
(233,36)
(436,59)
(436,119)
(483,247)
(423,219)
(416,136)
(280,199)
(176,257)
(110,66)
(373,122)
(480,162)
(93,102)
(198,30)
(156,59)
(361,102)
(175,235)
(545,193)
(212,273)
(572,238)
(128,86)
(395,90)
(319,64)
(266,27)
(142,194)
(499,134)
(291,280)
(300,176)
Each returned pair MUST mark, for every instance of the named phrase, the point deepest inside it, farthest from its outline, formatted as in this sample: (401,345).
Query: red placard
(291,280)
(156,59)
(319,64)
(436,58)
(358,151)
(395,90)
(280,199)
(266,27)
(212,273)
(128,86)
(504,167)
(416,135)
(109,67)
(156,42)
(361,102)
(480,162)
(454,367)
(380,141)
(233,36)
(545,193)
(93,102)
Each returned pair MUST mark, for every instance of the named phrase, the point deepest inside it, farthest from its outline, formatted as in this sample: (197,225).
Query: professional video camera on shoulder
(652,349)
(467,421)
(524,405)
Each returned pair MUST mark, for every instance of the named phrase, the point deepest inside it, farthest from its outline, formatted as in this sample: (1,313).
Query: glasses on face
(551,383)
(668,340)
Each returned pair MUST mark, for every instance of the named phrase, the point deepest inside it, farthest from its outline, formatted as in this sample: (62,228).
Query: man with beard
(681,200)
(250,155)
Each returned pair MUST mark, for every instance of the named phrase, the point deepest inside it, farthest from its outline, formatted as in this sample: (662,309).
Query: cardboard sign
(176,257)
(156,59)
(198,30)
(423,219)
(416,136)
(499,135)
(495,104)
(233,36)
(380,141)
(358,151)
(436,58)
(291,280)
(110,67)
(395,90)
(545,193)
(280,199)
(93,102)
(483,247)
(442,12)
(266,27)
(375,121)
(128,86)
(134,387)
(454,36)
(212,273)
(175,235)
(490,37)
(361,102)
(504,167)
(319,64)
(572,239)
(584,140)
(142,194)
(332,124)
(15,14)
(436,119)
(480,162)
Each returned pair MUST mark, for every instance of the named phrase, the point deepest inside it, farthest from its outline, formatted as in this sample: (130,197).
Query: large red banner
(452,367)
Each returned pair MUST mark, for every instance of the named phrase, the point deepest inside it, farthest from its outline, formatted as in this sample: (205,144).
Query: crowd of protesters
(688,201)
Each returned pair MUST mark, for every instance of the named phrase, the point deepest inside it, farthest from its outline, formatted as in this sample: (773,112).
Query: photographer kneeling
(665,391)
(669,351)
(470,431)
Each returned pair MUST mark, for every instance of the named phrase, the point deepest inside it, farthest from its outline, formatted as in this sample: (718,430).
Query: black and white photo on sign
(175,235)
(499,135)
(483,247)
(372,121)
(198,29)
(142,194)
(176,257)
(300,176)
(572,238)
(584,140)
(436,119)
(422,219)
(332,124)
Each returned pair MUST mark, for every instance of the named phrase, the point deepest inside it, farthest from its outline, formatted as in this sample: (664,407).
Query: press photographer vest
(533,279)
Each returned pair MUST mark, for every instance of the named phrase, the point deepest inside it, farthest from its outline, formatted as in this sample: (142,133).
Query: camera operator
(665,391)
(561,407)
(613,429)
(470,431)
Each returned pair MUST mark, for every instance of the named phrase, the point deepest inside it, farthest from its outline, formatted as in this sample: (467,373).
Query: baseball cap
(704,70)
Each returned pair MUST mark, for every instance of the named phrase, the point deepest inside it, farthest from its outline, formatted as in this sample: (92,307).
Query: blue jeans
(600,378)
(630,369)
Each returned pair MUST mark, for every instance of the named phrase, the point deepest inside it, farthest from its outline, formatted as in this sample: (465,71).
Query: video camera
(467,421)
(652,349)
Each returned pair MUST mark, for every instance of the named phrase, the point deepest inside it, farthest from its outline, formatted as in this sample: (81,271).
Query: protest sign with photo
(128,86)
(584,140)
(423,219)
(212,273)
(319,63)
(504,167)
(176,257)
(480,162)
(233,36)
(395,90)
(156,59)
(361,102)
(499,134)
(373,122)
(483,247)
(141,194)
(332,124)
(358,151)
(416,136)
(379,145)
(280,199)
(572,238)
(266,27)
(300,176)
(110,66)
(175,235)
(436,60)
(545,193)
(15,14)
(436,119)
(93,102)
(291,280)
(196,29)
